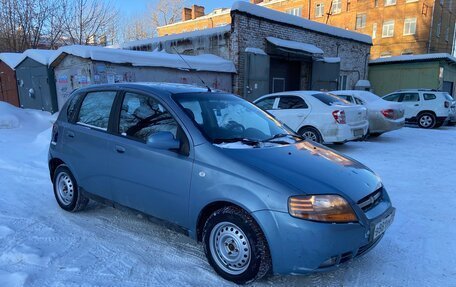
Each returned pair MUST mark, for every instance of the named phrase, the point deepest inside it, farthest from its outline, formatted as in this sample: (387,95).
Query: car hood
(310,169)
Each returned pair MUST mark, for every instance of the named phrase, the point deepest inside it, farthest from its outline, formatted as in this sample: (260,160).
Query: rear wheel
(66,190)
(426,120)
(311,134)
(235,246)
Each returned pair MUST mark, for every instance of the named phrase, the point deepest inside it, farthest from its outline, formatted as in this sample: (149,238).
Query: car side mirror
(163,140)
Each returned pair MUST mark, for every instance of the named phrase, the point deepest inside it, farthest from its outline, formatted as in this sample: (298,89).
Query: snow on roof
(331,60)
(277,16)
(257,51)
(181,36)
(147,59)
(411,58)
(11,59)
(41,56)
(309,48)
(363,83)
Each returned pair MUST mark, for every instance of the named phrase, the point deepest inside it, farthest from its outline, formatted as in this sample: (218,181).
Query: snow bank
(277,16)
(9,116)
(41,56)
(146,59)
(16,279)
(11,59)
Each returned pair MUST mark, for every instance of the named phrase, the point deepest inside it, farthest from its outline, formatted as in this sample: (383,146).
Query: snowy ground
(41,245)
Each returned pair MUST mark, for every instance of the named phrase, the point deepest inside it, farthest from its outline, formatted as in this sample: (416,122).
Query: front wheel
(426,121)
(235,246)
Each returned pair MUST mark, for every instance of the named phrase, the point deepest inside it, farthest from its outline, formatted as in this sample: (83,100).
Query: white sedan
(317,116)
(383,116)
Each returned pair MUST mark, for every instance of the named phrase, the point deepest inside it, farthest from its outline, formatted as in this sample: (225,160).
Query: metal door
(256,76)
(325,76)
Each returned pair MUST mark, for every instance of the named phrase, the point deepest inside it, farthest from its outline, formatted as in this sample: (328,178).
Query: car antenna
(201,79)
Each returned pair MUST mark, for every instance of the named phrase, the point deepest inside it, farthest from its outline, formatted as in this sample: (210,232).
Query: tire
(426,120)
(375,135)
(311,134)
(224,232)
(66,190)
(339,143)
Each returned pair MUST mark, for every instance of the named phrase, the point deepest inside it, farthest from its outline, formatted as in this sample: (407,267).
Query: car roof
(294,93)
(158,88)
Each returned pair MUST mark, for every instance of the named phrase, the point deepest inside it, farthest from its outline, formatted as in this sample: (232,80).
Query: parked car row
(335,117)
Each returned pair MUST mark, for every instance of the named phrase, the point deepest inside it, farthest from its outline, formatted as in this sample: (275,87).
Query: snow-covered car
(317,116)
(428,108)
(383,116)
(260,198)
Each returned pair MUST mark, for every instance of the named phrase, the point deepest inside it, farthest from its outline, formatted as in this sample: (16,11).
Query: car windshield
(330,100)
(225,118)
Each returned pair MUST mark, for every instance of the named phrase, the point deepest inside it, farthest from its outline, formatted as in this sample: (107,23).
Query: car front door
(411,103)
(153,180)
(291,110)
(85,141)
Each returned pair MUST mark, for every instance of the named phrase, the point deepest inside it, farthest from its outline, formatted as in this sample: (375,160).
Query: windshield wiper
(277,136)
(241,140)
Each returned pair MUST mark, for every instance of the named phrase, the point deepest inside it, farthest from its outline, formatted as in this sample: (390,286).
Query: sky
(137,6)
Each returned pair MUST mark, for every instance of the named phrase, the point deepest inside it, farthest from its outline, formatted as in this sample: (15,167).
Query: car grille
(370,201)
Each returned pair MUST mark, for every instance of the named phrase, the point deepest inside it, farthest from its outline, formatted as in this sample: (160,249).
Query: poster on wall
(111,78)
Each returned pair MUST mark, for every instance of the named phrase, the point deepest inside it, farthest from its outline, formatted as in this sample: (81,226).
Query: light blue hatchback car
(259,198)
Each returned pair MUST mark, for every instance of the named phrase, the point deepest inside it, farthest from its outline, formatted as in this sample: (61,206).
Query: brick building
(397,27)
(275,52)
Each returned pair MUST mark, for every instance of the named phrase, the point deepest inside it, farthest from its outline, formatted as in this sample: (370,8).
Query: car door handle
(120,149)
(70,134)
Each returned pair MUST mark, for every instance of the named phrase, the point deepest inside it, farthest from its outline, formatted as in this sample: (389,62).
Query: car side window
(292,102)
(142,116)
(96,109)
(410,97)
(392,98)
(428,97)
(72,107)
(359,102)
(266,104)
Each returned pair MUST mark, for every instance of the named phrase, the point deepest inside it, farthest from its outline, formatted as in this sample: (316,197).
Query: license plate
(383,225)
(358,132)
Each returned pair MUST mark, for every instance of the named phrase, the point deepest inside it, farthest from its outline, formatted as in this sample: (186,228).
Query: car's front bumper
(300,246)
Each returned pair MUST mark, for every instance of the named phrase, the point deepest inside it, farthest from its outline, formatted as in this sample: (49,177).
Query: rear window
(428,97)
(330,99)
(96,109)
(292,102)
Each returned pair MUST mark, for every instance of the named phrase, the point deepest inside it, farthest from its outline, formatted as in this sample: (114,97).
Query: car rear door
(291,110)
(412,104)
(85,142)
(154,181)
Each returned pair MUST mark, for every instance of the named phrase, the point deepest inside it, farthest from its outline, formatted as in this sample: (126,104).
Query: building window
(407,52)
(336,7)
(360,21)
(376,3)
(343,82)
(441,2)
(374,31)
(437,33)
(410,26)
(388,29)
(295,11)
(385,55)
(410,1)
(390,2)
(319,10)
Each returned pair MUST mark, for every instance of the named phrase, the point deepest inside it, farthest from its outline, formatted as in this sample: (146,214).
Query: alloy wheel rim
(309,135)
(426,121)
(230,248)
(65,188)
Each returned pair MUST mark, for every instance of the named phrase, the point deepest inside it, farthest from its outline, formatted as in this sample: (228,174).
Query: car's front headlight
(324,208)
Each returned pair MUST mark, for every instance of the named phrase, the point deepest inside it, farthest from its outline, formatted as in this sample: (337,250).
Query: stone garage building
(35,81)
(79,66)
(275,52)
(8,85)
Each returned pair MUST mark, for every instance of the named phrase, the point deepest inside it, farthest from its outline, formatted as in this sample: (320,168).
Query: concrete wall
(74,72)
(387,78)
(250,31)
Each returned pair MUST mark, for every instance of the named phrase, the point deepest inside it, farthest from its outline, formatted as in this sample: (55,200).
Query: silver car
(383,116)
